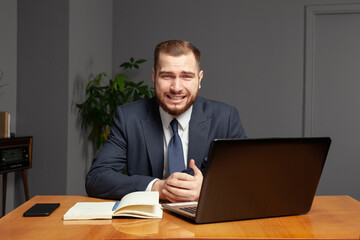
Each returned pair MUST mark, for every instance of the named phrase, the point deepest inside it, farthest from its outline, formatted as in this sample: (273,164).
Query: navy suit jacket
(136,142)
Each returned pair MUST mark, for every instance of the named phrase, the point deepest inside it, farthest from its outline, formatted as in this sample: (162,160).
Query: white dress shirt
(183,131)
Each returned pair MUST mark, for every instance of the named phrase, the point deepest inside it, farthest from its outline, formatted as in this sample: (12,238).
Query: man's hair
(175,48)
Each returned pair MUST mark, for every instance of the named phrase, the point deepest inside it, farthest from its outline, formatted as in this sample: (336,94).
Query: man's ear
(201,75)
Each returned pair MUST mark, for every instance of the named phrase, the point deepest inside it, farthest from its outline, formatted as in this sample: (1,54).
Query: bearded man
(163,141)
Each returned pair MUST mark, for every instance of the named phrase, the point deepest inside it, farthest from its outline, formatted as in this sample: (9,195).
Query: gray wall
(42,94)
(90,52)
(8,61)
(61,44)
(253,53)
(8,58)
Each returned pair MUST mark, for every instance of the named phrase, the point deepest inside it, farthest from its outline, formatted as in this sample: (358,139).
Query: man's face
(176,82)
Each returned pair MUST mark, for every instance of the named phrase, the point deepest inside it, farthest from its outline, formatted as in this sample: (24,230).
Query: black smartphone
(41,209)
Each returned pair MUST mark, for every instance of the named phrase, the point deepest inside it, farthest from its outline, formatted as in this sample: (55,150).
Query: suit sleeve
(235,130)
(106,178)
(229,126)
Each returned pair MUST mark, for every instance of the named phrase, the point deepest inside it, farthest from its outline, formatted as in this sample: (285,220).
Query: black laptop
(257,178)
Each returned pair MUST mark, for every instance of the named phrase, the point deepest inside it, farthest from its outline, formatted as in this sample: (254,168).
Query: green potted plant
(104,95)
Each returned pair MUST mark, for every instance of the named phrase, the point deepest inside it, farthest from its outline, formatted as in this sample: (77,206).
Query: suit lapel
(198,134)
(153,134)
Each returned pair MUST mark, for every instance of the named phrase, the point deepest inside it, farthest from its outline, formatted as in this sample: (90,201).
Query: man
(143,141)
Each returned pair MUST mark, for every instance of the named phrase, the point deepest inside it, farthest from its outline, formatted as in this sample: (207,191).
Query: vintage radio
(15,154)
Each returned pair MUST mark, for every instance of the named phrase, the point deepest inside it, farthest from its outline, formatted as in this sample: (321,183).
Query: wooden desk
(331,217)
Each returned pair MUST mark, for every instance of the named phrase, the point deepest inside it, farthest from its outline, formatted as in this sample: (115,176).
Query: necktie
(175,150)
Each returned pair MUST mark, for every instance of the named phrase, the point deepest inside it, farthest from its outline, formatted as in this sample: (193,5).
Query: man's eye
(166,76)
(187,76)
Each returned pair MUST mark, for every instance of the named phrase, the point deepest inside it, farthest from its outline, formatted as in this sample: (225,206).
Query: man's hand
(180,187)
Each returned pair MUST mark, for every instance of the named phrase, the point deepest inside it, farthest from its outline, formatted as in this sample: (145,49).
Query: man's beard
(176,111)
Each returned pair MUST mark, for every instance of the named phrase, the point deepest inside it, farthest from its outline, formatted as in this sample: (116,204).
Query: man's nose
(176,85)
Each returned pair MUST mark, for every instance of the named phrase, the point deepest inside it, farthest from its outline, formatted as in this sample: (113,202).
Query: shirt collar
(183,119)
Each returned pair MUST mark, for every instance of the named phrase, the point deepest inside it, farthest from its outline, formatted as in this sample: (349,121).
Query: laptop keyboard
(189,209)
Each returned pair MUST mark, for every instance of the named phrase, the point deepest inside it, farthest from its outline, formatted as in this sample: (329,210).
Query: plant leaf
(126,65)
(140,61)
(119,81)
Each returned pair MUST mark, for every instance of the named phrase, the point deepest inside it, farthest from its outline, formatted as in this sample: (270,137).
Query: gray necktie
(175,150)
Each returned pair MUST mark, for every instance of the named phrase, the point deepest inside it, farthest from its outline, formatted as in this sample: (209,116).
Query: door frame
(311,11)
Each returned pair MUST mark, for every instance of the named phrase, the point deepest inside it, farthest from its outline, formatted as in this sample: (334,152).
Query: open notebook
(256,178)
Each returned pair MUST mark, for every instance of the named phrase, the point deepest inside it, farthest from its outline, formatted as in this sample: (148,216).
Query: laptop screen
(254,178)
